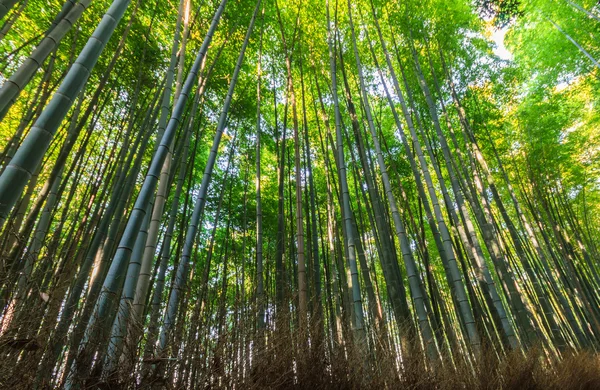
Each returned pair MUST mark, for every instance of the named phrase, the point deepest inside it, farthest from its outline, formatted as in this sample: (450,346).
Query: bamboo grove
(269,194)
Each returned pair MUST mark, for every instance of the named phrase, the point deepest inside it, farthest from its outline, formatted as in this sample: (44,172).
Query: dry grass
(531,371)
(282,365)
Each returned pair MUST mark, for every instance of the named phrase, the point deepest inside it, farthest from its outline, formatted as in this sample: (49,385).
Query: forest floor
(518,371)
(580,370)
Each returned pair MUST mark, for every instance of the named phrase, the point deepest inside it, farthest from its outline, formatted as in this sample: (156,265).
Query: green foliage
(502,12)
